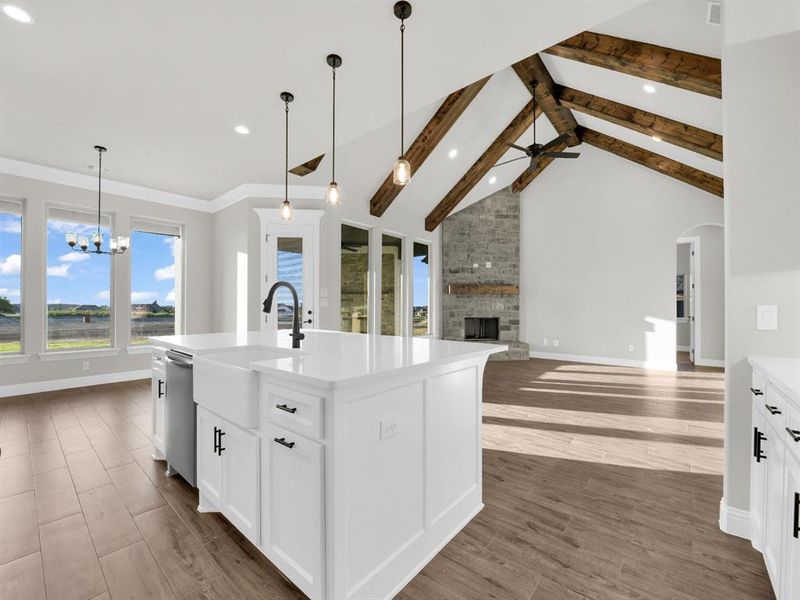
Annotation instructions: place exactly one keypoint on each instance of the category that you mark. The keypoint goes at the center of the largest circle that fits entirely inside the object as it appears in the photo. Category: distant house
(147, 309)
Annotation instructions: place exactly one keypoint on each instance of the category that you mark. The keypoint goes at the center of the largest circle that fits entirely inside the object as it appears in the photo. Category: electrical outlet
(488, 264)
(546, 342)
(630, 347)
(390, 427)
(555, 342)
(474, 265)
(86, 365)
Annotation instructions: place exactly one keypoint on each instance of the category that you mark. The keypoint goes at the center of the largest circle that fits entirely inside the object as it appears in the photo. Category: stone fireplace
(480, 274)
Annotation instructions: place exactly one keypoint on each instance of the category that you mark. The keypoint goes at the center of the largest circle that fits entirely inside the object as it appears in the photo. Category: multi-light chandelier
(116, 245)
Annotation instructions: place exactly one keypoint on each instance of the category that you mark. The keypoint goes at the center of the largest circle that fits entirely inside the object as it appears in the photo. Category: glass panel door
(289, 268)
(354, 261)
(421, 289)
(391, 285)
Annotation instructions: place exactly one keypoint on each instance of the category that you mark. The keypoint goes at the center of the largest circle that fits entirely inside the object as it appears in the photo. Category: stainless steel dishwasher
(181, 417)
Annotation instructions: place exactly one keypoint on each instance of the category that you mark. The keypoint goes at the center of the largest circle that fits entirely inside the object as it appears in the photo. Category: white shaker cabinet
(775, 472)
(228, 472)
(159, 397)
(293, 507)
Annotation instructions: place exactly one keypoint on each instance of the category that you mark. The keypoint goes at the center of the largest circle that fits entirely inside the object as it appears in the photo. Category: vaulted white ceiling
(162, 84)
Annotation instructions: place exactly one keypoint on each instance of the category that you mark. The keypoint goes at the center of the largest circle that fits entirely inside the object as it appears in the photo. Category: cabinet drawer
(775, 405)
(298, 412)
(792, 428)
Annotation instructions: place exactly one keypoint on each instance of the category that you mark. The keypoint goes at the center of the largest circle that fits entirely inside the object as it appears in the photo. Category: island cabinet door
(292, 508)
(159, 394)
(240, 480)
(791, 529)
(758, 477)
(209, 460)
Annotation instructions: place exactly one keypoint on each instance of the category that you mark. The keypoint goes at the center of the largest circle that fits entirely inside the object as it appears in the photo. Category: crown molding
(10, 166)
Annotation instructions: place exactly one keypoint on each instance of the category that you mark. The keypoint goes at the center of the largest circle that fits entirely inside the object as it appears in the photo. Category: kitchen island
(349, 462)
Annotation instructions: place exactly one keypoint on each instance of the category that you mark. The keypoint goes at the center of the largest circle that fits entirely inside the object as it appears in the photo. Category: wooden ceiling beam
(430, 136)
(693, 72)
(667, 166)
(307, 167)
(692, 138)
(487, 160)
(533, 69)
(528, 175)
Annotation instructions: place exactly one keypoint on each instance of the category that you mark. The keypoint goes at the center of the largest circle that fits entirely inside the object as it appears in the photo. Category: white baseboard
(709, 362)
(50, 385)
(734, 521)
(606, 360)
(683, 348)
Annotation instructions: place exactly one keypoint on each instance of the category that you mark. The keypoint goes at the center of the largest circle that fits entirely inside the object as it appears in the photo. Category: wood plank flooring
(600, 483)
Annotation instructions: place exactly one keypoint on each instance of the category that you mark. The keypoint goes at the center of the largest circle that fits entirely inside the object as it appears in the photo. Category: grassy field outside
(78, 344)
(10, 347)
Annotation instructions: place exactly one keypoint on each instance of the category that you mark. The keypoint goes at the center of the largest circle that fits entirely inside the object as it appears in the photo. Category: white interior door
(690, 295)
(290, 253)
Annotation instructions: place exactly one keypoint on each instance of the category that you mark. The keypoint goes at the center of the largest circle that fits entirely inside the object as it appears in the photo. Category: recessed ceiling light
(492, 179)
(241, 129)
(453, 153)
(16, 13)
(650, 89)
(655, 138)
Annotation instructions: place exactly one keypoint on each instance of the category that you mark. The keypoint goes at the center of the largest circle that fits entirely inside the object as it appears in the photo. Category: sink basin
(225, 385)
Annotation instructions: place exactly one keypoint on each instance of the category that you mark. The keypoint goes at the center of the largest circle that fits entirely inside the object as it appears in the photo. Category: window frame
(105, 217)
(140, 224)
(19, 205)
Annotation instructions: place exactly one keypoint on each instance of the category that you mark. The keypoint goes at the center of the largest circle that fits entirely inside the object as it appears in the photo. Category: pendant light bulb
(401, 174)
(286, 210)
(332, 196)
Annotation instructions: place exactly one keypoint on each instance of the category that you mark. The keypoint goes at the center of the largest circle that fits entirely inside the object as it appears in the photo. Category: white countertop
(784, 373)
(333, 358)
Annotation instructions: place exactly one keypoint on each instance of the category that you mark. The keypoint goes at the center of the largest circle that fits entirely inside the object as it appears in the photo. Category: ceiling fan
(536, 151)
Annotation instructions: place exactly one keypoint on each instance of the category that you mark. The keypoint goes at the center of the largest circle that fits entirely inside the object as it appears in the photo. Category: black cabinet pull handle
(160, 385)
(796, 532)
(221, 448)
(794, 434)
(761, 455)
(773, 410)
(285, 408)
(758, 437)
(216, 440)
(283, 442)
(755, 442)
(756, 392)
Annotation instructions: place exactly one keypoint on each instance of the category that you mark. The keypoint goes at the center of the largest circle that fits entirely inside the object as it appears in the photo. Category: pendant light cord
(286, 171)
(402, 84)
(333, 129)
(99, 185)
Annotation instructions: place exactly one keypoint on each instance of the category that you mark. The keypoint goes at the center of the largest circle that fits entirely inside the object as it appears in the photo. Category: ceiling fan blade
(561, 154)
(505, 162)
(555, 142)
(521, 148)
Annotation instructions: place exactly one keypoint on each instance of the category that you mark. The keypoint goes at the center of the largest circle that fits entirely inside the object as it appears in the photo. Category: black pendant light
(401, 174)
(116, 245)
(332, 195)
(286, 207)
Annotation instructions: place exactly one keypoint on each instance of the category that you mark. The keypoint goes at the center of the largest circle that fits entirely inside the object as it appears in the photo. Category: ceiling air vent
(714, 14)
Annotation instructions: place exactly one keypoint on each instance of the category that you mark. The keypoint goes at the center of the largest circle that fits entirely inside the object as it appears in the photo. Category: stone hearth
(485, 232)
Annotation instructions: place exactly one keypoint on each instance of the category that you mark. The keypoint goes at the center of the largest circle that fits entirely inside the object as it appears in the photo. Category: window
(290, 268)
(355, 279)
(391, 285)
(78, 284)
(10, 276)
(421, 289)
(155, 280)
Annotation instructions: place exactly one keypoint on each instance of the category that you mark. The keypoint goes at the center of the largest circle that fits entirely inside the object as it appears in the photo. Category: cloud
(104, 295)
(10, 293)
(55, 301)
(14, 226)
(170, 296)
(143, 297)
(61, 270)
(163, 273)
(10, 265)
(74, 257)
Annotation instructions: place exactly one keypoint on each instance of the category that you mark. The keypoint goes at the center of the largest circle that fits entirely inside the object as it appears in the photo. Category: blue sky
(421, 282)
(10, 253)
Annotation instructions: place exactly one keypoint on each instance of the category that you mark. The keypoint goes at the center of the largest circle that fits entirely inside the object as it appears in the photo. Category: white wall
(36, 196)
(762, 207)
(598, 257)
